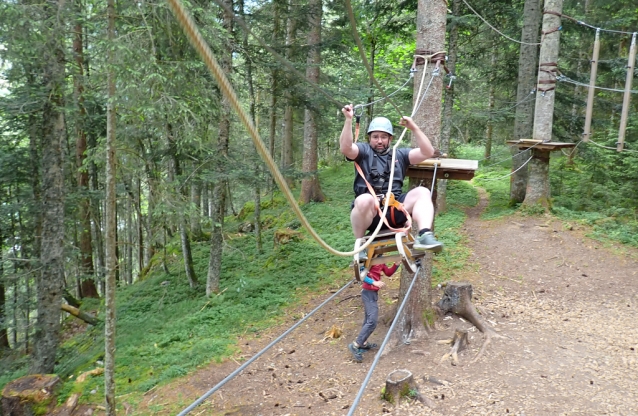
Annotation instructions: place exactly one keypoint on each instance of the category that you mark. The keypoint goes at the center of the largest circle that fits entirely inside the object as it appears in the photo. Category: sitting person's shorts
(395, 217)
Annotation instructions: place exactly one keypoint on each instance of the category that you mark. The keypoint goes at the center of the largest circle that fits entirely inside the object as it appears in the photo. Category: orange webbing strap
(397, 205)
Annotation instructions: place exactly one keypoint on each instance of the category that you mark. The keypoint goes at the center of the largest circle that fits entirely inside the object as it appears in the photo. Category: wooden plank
(551, 146)
(440, 174)
(458, 164)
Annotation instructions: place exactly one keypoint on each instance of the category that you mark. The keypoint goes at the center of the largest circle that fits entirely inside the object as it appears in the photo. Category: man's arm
(346, 145)
(425, 149)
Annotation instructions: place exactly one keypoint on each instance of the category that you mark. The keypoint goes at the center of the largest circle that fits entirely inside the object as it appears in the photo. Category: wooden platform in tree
(460, 169)
(538, 144)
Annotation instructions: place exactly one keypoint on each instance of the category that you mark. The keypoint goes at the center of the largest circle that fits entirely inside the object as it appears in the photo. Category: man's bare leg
(418, 202)
(361, 216)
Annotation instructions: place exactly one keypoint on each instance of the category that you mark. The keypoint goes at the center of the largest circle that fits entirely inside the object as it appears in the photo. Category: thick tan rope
(196, 39)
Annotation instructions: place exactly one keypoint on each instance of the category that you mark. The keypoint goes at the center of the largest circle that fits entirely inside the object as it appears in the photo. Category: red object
(375, 274)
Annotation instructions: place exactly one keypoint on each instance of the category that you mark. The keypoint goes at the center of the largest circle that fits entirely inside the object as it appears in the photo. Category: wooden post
(538, 181)
(627, 97)
(544, 114)
(592, 88)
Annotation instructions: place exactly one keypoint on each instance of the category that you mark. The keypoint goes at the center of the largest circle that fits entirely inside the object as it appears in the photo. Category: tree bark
(86, 317)
(310, 187)
(538, 183)
(219, 193)
(129, 242)
(87, 272)
(4, 335)
(253, 116)
(287, 160)
(538, 192)
(174, 171)
(196, 212)
(111, 221)
(30, 395)
(490, 106)
(50, 280)
(430, 38)
(524, 120)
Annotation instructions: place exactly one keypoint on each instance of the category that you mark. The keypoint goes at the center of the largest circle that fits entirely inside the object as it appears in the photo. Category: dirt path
(566, 304)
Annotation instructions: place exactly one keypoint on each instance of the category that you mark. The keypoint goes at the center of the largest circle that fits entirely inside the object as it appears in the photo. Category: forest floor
(565, 304)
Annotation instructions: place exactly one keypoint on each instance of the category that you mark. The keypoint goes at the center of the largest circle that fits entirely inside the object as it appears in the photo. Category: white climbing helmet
(380, 124)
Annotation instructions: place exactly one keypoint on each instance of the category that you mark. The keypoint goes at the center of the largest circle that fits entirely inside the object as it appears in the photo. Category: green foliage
(165, 329)
(460, 195)
(429, 317)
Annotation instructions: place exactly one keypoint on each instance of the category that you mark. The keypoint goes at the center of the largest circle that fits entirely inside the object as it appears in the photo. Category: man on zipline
(375, 159)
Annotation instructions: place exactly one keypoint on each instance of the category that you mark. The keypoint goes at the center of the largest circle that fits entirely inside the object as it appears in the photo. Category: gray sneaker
(356, 353)
(427, 242)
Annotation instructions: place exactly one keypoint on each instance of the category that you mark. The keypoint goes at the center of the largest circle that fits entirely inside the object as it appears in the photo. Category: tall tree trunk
(253, 116)
(310, 187)
(537, 192)
(96, 215)
(111, 221)
(430, 24)
(87, 272)
(219, 193)
(50, 280)
(129, 242)
(287, 160)
(524, 120)
(490, 105)
(173, 174)
(196, 212)
(4, 335)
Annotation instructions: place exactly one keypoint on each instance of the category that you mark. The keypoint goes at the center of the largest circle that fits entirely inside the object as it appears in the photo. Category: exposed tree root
(459, 343)
(457, 298)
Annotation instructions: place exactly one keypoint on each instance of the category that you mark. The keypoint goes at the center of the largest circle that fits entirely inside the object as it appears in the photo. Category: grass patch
(460, 195)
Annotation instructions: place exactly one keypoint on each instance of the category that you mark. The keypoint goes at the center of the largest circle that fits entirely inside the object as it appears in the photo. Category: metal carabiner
(358, 106)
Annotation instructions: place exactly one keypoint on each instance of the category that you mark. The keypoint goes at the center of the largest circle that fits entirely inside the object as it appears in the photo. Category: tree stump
(30, 395)
(400, 384)
(457, 298)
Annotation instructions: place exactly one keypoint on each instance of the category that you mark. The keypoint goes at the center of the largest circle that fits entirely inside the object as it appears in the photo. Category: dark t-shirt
(368, 158)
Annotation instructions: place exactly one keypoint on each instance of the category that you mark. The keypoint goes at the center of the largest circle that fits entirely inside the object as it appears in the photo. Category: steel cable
(377, 357)
(259, 354)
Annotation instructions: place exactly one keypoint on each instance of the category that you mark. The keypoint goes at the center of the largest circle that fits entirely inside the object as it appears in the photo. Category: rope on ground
(259, 354)
(496, 30)
(377, 357)
(196, 39)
